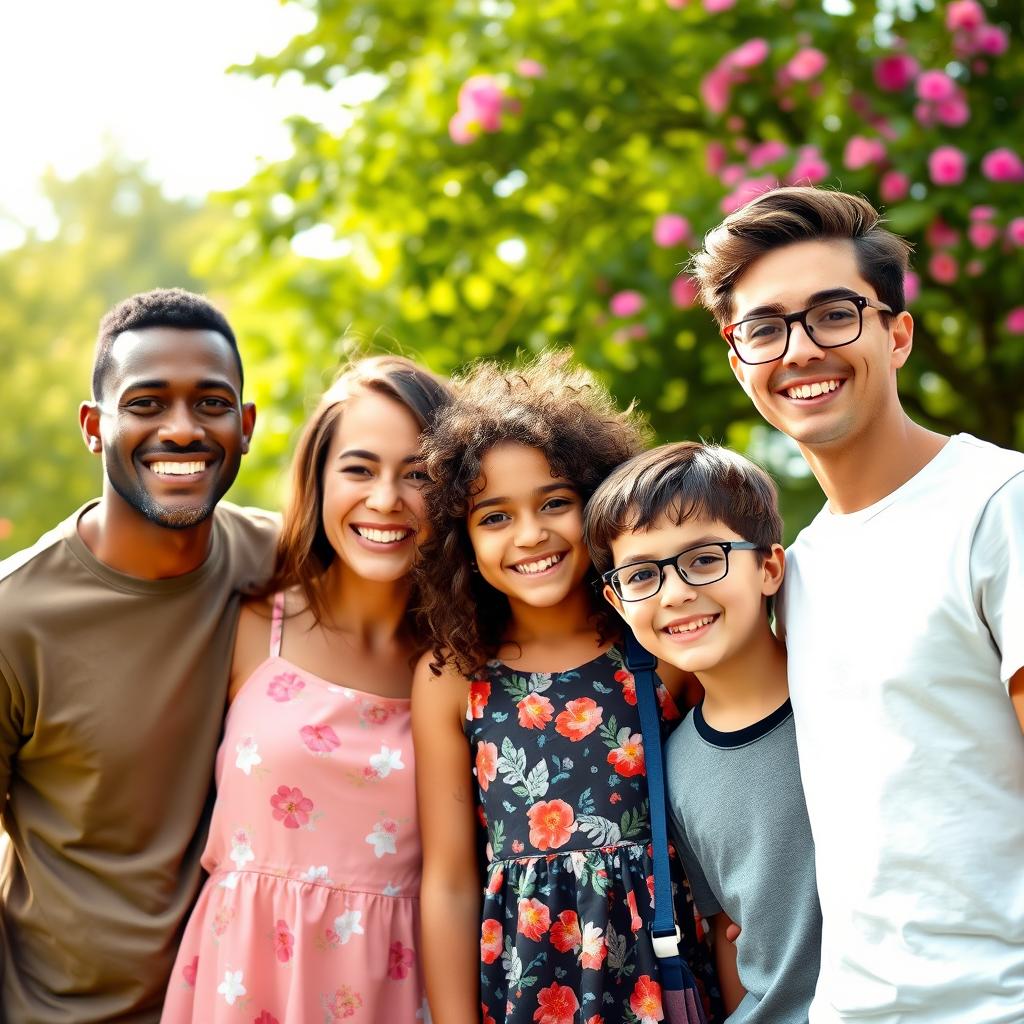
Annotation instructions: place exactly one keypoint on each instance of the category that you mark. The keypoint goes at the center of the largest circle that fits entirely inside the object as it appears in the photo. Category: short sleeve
(703, 897)
(11, 716)
(997, 573)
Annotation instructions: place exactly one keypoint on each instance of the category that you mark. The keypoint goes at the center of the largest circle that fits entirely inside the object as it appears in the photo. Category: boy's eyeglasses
(698, 566)
(763, 339)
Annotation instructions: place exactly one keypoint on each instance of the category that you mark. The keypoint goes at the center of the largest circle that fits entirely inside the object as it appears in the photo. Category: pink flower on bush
(1015, 320)
(733, 175)
(974, 268)
(810, 167)
(715, 156)
(953, 112)
(1002, 165)
(947, 165)
(982, 234)
(717, 6)
(291, 807)
(911, 287)
(765, 153)
(806, 64)
(670, 229)
(966, 15)
(894, 186)
(943, 268)
(627, 303)
(683, 291)
(895, 73)
(482, 99)
(748, 54)
(940, 235)
(1015, 231)
(747, 190)
(982, 212)
(935, 86)
(715, 89)
(861, 152)
(992, 40)
(529, 68)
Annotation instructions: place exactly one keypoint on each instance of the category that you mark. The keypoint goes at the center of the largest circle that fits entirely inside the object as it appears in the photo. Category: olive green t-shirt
(112, 695)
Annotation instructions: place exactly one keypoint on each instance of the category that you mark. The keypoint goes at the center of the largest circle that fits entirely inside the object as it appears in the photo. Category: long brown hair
(304, 554)
(561, 410)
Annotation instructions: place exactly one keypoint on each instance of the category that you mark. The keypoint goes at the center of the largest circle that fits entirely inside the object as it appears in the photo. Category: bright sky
(147, 78)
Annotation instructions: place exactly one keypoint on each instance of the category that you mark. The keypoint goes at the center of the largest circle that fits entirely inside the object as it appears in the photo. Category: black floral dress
(559, 762)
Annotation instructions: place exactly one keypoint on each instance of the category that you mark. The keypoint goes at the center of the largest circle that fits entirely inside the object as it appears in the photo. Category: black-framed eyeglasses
(832, 324)
(698, 566)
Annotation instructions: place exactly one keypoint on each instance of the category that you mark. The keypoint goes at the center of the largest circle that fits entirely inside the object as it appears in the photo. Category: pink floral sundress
(311, 910)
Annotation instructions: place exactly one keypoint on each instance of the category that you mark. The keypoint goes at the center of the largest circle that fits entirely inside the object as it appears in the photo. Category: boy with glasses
(686, 537)
(902, 612)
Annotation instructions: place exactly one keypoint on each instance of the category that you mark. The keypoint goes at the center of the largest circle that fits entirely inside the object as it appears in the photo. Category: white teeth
(382, 536)
(812, 390)
(529, 568)
(689, 627)
(177, 468)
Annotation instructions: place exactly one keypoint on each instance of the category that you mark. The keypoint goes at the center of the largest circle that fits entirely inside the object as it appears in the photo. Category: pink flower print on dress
(371, 713)
(291, 808)
(321, 739)
(383, 837)
(284, 942)
(266, 1018)
(625, 679)
(635, 921)
(189, 972)
(400, 961)
(284, 687)
(340, 1004)
(595, 949)
(221, 920)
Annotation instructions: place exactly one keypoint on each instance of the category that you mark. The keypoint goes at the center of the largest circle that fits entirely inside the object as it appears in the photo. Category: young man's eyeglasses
(763, 339)
(698, 566)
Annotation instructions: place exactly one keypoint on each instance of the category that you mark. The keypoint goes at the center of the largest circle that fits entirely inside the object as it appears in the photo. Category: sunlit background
(461, 179)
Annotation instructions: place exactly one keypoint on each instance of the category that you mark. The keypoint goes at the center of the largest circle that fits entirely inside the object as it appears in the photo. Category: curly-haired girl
(526, 691)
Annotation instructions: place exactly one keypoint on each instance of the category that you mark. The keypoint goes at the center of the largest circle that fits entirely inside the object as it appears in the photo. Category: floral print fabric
(559, 762)
(311, 910)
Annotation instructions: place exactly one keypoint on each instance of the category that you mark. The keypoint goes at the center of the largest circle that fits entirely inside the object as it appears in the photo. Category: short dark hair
(162, 307)
(799, 214)
(685, 480)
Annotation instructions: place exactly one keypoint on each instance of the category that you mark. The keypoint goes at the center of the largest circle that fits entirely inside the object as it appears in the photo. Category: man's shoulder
(250, 538)
(248, 519)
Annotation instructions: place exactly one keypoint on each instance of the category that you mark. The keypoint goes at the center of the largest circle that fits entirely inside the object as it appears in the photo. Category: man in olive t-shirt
(115, 647)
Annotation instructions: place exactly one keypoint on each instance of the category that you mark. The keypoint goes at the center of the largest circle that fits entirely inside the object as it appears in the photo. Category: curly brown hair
(548, 404)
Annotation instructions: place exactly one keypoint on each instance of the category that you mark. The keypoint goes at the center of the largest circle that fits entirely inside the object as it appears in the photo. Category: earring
(473, 567)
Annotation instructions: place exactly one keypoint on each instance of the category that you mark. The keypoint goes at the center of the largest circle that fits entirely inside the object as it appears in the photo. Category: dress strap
(277, 624)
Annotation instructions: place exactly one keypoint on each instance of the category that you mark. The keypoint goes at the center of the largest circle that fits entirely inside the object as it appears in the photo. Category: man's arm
(12, 713)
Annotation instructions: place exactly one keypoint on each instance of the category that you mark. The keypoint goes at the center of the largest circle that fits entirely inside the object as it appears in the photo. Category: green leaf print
(634, 822)
(518, 687)
(512, 963)
(512, 765)
(497, 837)
(610, 733)
(585, 804)
(601, 831)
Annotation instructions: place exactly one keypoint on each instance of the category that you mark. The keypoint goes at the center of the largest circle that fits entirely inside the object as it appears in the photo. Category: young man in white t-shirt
(903, 612)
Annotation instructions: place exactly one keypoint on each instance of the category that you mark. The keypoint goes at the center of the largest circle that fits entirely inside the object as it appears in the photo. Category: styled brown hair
(304, 553)
(547, 404)
(685, 480)
(799, 214)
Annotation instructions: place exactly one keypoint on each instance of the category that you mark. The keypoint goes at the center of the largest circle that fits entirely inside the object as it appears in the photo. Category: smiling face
(526, 528)
(704, 628)
(171, 424)
(373, 480)
(820, 397)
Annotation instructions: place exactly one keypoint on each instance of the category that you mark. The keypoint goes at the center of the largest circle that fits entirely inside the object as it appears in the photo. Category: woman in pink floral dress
(311, 910)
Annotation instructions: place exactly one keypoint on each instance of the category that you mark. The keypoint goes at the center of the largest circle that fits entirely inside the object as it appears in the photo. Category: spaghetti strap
(277, 624)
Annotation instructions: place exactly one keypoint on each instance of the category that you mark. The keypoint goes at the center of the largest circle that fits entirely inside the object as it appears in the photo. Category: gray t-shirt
(738, 812)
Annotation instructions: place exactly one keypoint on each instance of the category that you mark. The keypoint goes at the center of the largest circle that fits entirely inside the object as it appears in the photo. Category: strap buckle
(666, 946)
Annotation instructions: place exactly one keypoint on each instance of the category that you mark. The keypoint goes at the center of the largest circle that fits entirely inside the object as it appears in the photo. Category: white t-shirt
(904, 623)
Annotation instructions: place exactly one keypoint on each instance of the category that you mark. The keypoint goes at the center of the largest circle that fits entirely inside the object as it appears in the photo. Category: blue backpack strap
(642, 664)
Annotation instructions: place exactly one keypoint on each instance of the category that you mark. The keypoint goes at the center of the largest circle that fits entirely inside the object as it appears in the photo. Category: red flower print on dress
(400, 961)
(551, 824)
(628, 757)
(284, 687)
(266, 1018)
(284, 942)
(189, 971)
(556, 1004)
(497, 879)
(650, 889)
(635, 921)
(486, 764)
(535, 711)
(595, 949)
(579, 719)
(534, 919)
(291, 808)
(628, 683)
(479, 695)
(491, 935)
(669, 710)
(485, 1015)
(645, 1001)
(565, 932)
(596, 1019)
(321, 739)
